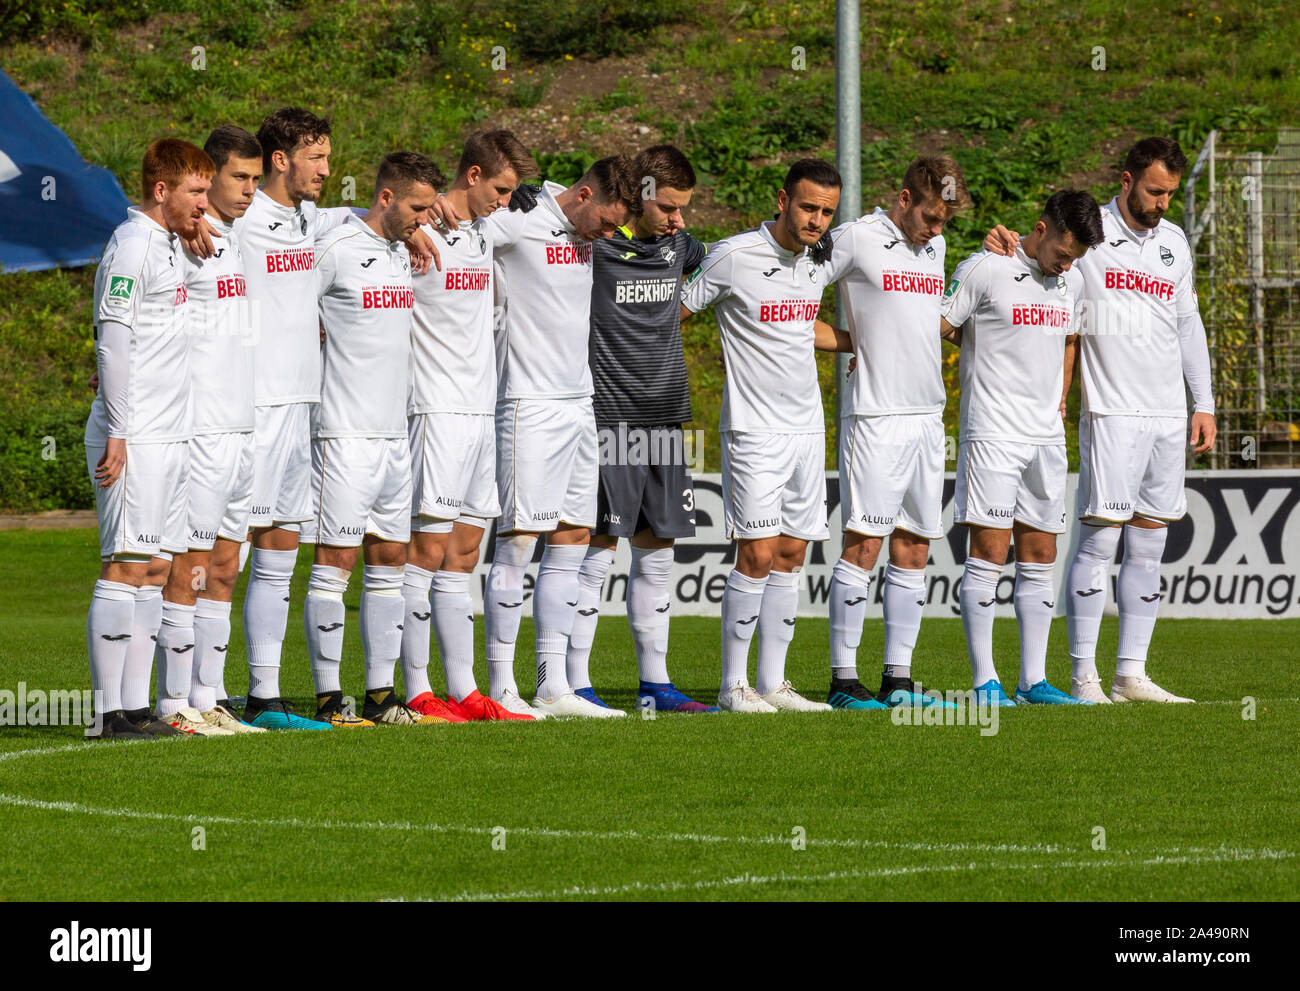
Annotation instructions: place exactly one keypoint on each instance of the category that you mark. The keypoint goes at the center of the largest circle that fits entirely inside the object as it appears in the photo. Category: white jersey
(365, 306)
(278, 244)
(767, 301)
(890, 290)
(1138, 286)
(453, 362)
(140, 282)
(1015, 321)
(221, 336)
(542, 351)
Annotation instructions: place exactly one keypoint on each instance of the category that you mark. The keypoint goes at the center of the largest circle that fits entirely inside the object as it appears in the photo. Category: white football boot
(572, 704)
(1140, 689)
(222, 718)
(787, 698)
(511, 701)
(1088, 690)
(741, 697)
(191, 720)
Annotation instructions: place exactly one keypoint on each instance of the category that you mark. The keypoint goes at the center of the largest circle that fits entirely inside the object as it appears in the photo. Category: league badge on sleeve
(120, 290)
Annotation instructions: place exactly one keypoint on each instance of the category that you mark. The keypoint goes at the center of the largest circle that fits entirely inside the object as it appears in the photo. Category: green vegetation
(1197, 802)
(1015, 91)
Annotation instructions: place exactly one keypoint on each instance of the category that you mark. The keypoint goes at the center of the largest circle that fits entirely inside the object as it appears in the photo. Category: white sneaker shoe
(740, 697)
(1140, 689)
(572, 704)
(787, 698)
(1088, 690)
(191, 720)
(511, 701)
(222, 718)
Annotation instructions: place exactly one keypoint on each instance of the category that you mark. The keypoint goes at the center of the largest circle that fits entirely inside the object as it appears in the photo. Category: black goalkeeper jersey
(635, 351)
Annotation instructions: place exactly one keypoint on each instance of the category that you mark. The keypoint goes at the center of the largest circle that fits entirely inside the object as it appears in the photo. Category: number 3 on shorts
(688, 503)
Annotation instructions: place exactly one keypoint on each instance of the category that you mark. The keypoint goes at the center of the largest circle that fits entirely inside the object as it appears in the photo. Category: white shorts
(547, 464)
(453, 470)
(143, 512)
(774, 484)
(1000, 483)
(891, 474)
(365, 488)
(221, 488)
(1132, 466)
(281, 465)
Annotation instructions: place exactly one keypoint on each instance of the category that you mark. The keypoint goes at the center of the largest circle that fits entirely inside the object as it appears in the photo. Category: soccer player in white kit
(768, 289)
(277, 237)
(452, 432)
(138, 432)
(1015, 321)
(547, 458)
(195, 631)
(890, 265)
(364, 500)
(1141, 336)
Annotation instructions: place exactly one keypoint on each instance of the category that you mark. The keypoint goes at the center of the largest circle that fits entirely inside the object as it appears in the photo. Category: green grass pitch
(1195, 802)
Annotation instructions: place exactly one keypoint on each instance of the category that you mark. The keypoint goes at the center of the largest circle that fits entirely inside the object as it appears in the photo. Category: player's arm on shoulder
(962, 297)
(950, 333)
(710, 282)
(1001, 241)
(423, 252)
(200, 245)
(507, 227)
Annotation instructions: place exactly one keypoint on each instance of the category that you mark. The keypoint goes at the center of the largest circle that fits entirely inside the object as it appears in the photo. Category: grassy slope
(1191, 798)
(1008, 87)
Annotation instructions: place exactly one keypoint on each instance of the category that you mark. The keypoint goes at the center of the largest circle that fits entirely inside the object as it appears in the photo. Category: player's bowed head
(405, 188)
(605, 198)
(933, 190)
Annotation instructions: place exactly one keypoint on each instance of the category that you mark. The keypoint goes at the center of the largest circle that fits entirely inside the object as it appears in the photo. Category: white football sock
(418, 610)
(591, 579)
(742, 598)
(648, 604)
(503, 602)
(555, 601)
(1035, 600)
(1086, 588)
(323, 617)
(1139, 596)
(904, 596)
(453, 622)
(978, 597)
(266, 615)
(381, 623)
(139, 650)
(850, 592)
(776, 616)
(108, 633)
(174, 657)
(211, 641)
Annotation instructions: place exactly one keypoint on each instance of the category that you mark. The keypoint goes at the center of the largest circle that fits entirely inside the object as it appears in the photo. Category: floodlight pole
(848, 150)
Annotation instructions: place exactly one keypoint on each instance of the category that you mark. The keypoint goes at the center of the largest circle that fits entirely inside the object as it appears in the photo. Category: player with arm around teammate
(768, 288)
(1015, 318)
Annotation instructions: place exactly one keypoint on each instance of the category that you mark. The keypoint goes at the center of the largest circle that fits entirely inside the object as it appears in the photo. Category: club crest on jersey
(1060, 284)
(302, 223)
(929, 251)
(668, 254)
(1166, 255)
(812, 273)
(482, 243)
(120, 289)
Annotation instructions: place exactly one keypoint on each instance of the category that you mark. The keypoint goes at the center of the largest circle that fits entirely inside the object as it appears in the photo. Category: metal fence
(1243, 221)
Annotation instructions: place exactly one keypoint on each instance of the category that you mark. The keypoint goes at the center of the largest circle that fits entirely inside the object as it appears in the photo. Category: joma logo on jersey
(232, 285)
(388, 298)
(914, 282)
(1039, 315)
(1119, 278)
(793, 309)
(295, 260)
(568, 254)
(468, 279)
(645, 292)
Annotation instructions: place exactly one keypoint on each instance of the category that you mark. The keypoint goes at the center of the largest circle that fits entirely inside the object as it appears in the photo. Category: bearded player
(768, 286)
(137, 436)
(1140, 339)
